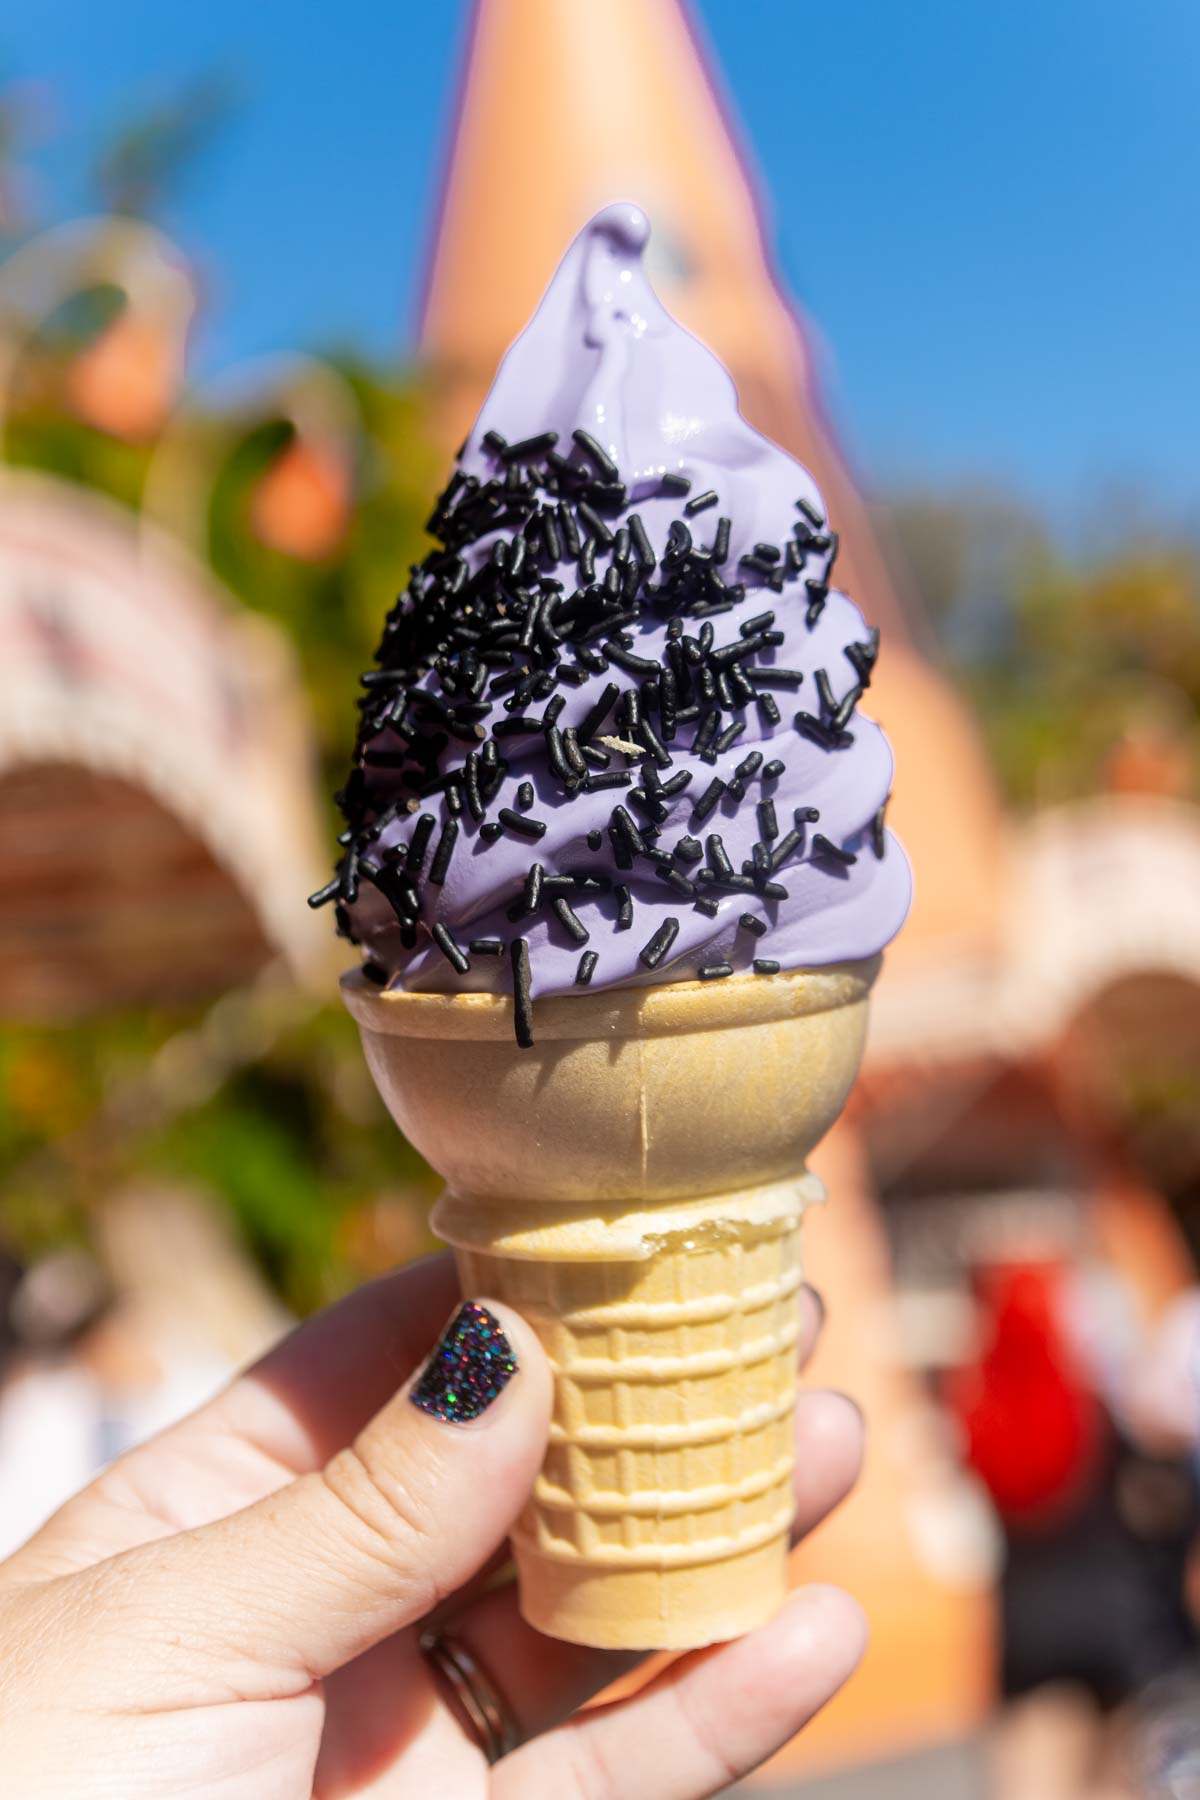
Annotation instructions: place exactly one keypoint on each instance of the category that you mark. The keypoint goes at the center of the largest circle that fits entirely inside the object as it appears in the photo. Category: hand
(231, 1611)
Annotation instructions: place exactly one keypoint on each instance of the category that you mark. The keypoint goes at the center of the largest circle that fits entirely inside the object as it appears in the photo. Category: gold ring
(487, 1714)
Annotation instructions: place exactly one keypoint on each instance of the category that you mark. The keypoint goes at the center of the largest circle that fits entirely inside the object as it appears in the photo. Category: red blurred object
(1150, 759)
(127, 380)
(1033, 1423)
(302, 504)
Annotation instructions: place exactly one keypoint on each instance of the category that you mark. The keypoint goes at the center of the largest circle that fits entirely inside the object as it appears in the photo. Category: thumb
(320, 1571)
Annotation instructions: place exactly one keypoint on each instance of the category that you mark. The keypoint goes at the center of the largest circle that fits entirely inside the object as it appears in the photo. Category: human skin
(232, 1611)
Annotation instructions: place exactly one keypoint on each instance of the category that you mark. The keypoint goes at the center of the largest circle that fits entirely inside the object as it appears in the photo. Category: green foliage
(1066, 658)
(333, 610)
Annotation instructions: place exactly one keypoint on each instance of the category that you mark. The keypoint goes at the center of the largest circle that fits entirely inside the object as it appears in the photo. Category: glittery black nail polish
(471, 1364)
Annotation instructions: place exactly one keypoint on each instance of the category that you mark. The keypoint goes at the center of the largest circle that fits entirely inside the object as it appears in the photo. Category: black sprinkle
(568, 529)
(524, 827)
(673, 483)
(718, 860)
(878, 837)
(569, 919)
(625, 659)
(522, 1001)
(624, 906)
(418, 843)
(699, 502)
(823, 846)
(531, 897)
(587, 964)
(710, 908)
(375, 973)
(525, 796)
(815, 518)
(595, 524)
(768, 827)
(708, 800)
(613, 778)
(329, 892)
(760, 622)
(749, 922)
(652, 952)
(529, 447)
(774, 769)
(679, 542)
(491, 831)
(444, 851)
(783, 849)
(715, 971)
(595, 840)
(450, 949)
(821, 733)
(598, 454)
(641, 543)
(678, 883)
(845, 707)
(596, 715)
(487, 946)
(623, 823)
(763, 965)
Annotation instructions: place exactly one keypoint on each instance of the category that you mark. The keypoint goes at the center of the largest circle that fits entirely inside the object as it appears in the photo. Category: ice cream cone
(634, 1185)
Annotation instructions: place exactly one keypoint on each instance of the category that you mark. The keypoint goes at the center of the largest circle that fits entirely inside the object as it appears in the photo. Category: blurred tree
(1085, 669)
(152, 151)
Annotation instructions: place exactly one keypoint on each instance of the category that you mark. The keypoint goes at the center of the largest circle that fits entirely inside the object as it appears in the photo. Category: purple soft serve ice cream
(613, 736)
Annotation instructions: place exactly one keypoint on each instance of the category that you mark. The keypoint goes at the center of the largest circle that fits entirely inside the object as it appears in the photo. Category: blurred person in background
(55, 1427)
(1100, 1511)
(99, 1352)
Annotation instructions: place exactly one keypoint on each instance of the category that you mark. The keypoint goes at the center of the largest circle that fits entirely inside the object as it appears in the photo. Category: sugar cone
(634, 1186)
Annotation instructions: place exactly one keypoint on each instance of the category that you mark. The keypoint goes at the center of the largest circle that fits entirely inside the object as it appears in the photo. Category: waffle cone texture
(634, 1185)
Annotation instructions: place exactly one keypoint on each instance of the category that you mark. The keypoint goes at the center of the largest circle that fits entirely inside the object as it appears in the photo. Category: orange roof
(563, 108)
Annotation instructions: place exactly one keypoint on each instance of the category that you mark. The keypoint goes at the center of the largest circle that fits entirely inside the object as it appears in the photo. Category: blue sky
(1007, 278)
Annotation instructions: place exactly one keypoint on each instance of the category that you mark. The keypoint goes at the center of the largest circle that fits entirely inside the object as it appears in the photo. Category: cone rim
(665, 1010)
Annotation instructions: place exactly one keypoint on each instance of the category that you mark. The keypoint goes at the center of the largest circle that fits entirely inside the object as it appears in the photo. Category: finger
(544, 1681)
(287, 1415)
(293, 1587)
(830, 1437)
(706, 1721)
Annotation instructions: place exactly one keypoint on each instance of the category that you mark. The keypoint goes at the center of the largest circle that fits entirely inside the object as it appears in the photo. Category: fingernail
(818, 1300)
(471, 1364)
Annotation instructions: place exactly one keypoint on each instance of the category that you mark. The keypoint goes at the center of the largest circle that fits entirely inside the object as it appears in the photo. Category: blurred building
(157, 803)
(980, 1136)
